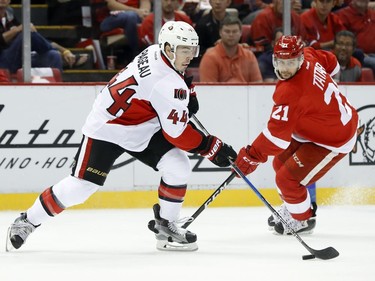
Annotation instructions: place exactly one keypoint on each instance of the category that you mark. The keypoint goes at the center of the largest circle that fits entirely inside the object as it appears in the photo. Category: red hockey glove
(218, 152)
(245, 162)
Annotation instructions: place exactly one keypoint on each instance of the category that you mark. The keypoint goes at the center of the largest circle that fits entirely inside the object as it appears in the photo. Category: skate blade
(8, 244)
(302, 233)
(165, 245)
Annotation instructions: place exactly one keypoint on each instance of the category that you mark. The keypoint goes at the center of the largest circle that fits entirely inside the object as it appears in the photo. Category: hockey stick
(324, 254)
(200, 124)
(210, 199)
(216, 192)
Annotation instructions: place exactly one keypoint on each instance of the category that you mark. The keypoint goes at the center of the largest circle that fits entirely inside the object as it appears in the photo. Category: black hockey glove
(218, 152)
(193, 105)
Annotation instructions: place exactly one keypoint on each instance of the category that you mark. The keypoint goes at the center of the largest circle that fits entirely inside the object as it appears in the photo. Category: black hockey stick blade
(324, 254)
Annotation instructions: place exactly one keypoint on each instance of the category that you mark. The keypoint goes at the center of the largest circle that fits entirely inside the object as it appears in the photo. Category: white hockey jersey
(141, 99)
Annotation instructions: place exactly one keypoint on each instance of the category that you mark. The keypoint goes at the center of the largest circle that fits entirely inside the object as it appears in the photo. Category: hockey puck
(308, 257)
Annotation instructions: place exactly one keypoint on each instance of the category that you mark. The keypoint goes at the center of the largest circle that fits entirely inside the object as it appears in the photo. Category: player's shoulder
(167, 82)
(316, 52)
(166, 78)
(309, 52)
(326, 59)
(288, 91)
(321, 56)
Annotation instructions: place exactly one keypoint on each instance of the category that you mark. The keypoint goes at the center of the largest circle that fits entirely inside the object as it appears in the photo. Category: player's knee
(285, 180)
(175, 167)
(72, 191)
(276, 164)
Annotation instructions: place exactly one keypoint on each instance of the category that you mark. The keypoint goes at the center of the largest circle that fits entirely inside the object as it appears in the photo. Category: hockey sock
(171, 198)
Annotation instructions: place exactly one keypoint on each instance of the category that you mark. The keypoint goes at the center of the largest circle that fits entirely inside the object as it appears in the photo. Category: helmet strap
(172, 61)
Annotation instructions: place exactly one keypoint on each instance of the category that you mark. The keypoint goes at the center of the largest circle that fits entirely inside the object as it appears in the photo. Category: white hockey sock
(170, 210)
(36, 213)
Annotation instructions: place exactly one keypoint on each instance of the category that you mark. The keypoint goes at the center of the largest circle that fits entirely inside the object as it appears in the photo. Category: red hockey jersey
(309, 108)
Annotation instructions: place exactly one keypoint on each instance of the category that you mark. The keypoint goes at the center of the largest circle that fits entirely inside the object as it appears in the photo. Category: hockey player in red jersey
(144, 111)
(312, 126)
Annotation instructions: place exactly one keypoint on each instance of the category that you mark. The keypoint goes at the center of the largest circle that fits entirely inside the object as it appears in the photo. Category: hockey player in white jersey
(143, 111)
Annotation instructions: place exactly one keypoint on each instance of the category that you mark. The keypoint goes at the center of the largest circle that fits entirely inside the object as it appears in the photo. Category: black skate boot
(18, 232)
(170, 236)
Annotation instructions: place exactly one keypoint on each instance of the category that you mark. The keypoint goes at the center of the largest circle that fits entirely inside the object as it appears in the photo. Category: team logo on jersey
(180, 94)
(298, 161)
(363, 152)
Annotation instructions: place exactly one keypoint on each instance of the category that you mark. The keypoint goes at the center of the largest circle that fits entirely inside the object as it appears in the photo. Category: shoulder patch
(180, 94)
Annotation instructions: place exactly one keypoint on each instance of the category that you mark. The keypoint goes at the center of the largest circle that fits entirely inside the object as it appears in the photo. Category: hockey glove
(245, 162)
(193, 105)
(218, 152)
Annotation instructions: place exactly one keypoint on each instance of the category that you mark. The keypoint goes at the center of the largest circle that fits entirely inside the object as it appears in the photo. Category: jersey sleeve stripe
(336, 70)
(276, 141)
(189, 140)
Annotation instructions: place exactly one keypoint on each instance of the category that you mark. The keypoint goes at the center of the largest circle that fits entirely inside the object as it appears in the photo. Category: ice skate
(170, 236)
(18, 232)
(272, 220)
(301, 227)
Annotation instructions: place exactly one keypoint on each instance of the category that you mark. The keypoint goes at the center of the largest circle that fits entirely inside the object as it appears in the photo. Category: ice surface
(234, 245)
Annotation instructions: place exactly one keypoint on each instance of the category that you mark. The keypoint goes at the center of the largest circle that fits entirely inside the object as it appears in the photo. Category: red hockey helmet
(288, 47)
(287, 56)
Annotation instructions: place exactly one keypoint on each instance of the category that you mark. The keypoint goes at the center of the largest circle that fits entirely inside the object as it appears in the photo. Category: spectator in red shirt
(126, 14)
(350, 67)
(271, 17)
(321, 24)
(256, 7)
(229, 61)
(169, 13)
(360, 20)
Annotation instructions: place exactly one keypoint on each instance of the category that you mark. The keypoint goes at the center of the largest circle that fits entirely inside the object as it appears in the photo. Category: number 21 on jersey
(281, 112)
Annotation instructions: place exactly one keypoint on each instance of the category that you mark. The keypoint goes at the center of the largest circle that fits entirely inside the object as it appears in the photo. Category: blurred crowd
(236, 36)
